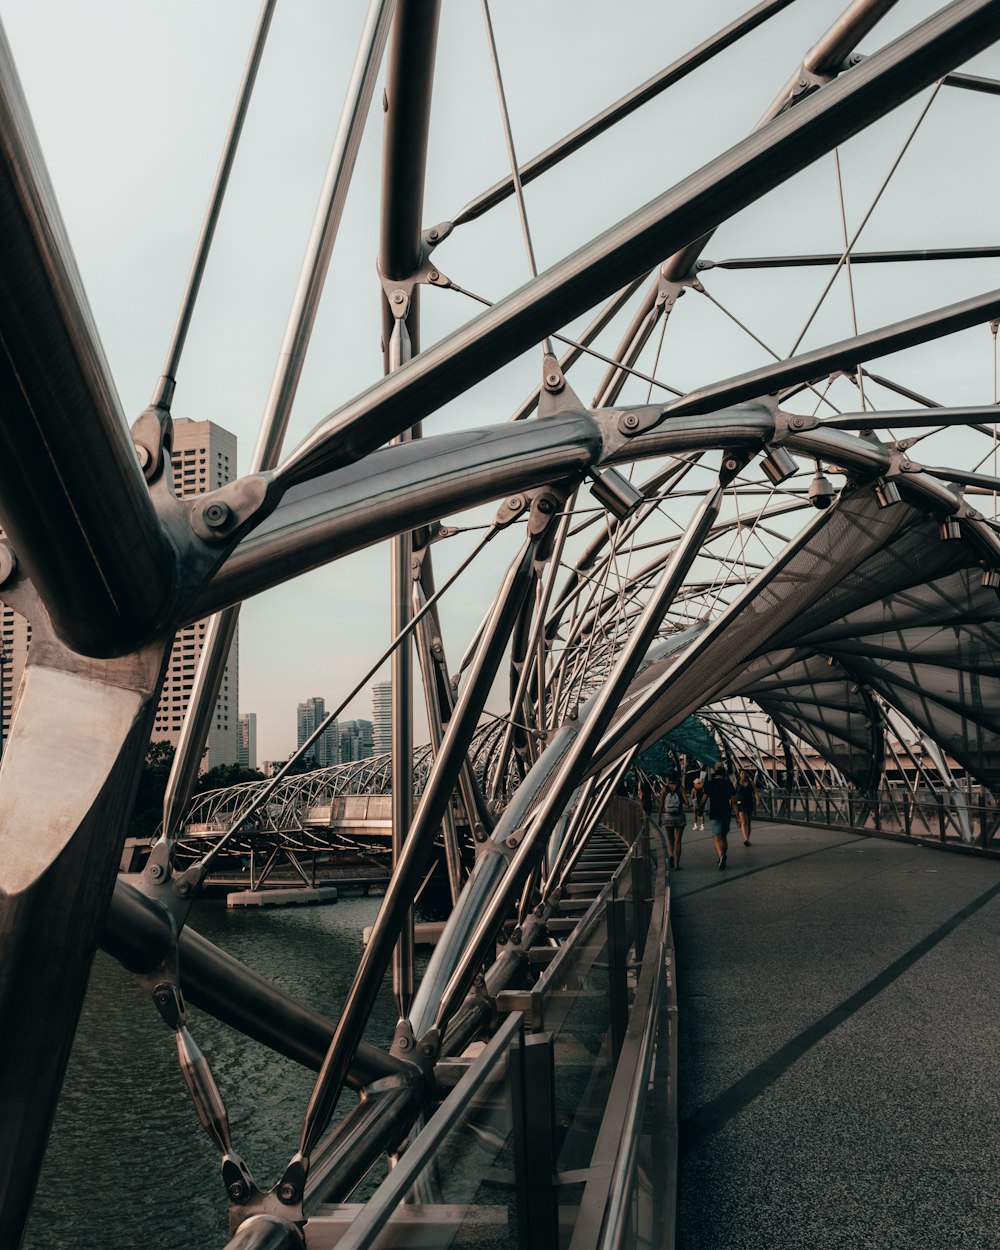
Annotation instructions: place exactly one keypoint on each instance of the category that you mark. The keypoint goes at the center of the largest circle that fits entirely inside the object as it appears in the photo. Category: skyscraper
(203, 459)
(382, 717)
(246, 740)
(326, 750)
(355, 740)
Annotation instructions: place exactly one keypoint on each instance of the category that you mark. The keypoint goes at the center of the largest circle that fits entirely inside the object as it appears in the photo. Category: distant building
(15, 635)
(326, 750)
(382, 717)
(246, 740)
(203, 459)
(356, 741)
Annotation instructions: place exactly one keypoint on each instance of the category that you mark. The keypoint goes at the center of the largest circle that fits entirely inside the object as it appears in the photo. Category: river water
(129, 1166)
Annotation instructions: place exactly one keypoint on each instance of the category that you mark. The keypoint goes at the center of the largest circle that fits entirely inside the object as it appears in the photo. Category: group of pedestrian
(719, 796)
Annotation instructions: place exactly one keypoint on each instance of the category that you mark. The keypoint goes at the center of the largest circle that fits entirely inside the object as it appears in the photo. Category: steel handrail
(378, 1210)
(602, 1218)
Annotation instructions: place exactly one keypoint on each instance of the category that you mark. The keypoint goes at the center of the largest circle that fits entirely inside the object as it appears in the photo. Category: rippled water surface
(128, 1166)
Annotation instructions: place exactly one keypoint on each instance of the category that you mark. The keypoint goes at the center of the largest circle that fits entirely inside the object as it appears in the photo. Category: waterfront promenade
(839, 1034)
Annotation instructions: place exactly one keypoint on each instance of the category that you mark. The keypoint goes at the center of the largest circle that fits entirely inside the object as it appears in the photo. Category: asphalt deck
(839, 1044)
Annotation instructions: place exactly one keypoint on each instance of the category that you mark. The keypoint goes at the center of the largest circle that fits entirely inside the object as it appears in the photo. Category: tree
(224, 775)
(148, 810)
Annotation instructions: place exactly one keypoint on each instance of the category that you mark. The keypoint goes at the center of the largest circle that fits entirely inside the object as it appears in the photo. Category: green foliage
(148, 809)
(224, 775)
(690, 738)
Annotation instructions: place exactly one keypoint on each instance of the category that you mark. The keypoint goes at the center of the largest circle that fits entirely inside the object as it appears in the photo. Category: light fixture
(616, 493)
(821, 491)
(778, 465)
(949, 529)
(886, 492)
(991, 578)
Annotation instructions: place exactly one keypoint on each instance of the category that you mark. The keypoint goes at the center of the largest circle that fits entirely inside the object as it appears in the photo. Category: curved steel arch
(106, 563)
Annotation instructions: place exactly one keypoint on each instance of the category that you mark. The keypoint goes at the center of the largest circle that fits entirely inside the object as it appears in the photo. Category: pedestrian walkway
(839, 1044)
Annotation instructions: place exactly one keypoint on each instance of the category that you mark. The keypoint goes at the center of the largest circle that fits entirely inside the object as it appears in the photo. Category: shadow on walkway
(838, 1033)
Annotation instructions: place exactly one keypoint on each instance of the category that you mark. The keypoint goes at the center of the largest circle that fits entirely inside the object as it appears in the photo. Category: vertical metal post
(640, 891)
(401, 558)
(532, 1094)
(615, 913)
(942, 823)
(907, 813)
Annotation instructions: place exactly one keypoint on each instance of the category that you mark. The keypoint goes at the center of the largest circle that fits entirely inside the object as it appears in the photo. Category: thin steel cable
(203, 864)
(511, 155)
(865, 219)
(703, 290)
(568, 342)
(847, 264)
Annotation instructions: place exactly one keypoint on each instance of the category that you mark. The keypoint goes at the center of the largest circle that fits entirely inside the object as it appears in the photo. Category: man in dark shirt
(720, 798)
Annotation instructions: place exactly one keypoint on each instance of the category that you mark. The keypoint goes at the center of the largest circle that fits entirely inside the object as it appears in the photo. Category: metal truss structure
(711, 567)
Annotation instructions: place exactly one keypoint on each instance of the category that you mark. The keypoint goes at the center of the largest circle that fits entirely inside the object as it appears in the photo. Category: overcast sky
(132, 99)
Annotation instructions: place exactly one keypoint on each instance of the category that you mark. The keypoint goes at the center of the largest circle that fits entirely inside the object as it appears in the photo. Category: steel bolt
(433, 235)
(183, 888)
(545, 505)
(511, 842)
(630, 421)
(552, 380)
(515, 502)
(215, 515)
(398, 297)
(286, 1192)
(156, 872)
(731, 464)
(161, 998)
(403, 1043)
(797, 423)
(237, 1191)
(427, 1049)
(434, 275)
(142, 455)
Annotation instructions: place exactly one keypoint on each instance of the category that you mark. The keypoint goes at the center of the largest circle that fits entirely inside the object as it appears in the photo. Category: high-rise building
(15, 634)
(382, 717)
(355, 740)
(326, 749)
(203, 459)
(246, 740)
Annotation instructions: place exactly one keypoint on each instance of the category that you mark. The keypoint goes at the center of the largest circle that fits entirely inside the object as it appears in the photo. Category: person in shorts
(673, 801)
(720, 797)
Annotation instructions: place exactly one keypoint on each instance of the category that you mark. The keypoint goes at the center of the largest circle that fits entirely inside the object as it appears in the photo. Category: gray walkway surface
(839, 1044)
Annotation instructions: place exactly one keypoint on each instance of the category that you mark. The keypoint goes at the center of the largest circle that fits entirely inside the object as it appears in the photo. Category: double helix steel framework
(711, 567)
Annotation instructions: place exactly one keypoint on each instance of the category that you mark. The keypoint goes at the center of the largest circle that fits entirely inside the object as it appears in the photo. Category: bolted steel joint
(216, 514)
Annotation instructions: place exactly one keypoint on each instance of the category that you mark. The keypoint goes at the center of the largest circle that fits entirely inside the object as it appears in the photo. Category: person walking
(673, 800)
(746, 803)
(698, 803)
(721, 798)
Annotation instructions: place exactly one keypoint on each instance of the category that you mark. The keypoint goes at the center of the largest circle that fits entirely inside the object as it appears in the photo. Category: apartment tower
(204, 458)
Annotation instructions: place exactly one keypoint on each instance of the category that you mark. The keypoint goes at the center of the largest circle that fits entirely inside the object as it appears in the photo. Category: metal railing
(946, 817)
(496, 1160)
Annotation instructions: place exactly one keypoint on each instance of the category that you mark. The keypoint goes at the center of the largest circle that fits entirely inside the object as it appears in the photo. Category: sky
(132, 99)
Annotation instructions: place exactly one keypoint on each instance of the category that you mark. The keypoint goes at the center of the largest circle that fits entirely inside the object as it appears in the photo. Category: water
(128, 1164)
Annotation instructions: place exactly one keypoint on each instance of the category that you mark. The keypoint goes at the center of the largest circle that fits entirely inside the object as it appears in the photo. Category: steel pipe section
(139, 933)
(398, 488)
(712, 195)
(72, 498)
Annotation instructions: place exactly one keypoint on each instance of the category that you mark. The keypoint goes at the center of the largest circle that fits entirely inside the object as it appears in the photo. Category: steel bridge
(769, 551)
